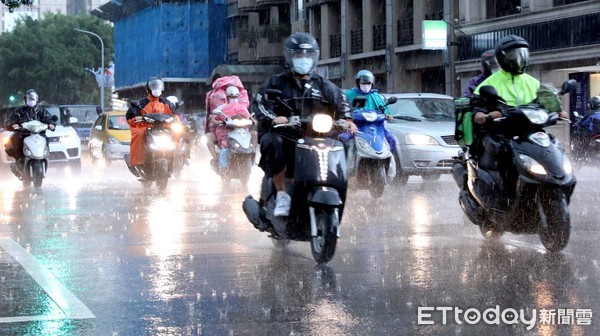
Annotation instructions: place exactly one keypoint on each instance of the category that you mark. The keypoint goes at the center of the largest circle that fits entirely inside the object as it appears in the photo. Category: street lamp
(101, 69)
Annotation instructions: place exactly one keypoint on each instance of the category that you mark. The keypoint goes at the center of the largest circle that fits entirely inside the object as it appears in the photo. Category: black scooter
(318, 190)
(526, 185)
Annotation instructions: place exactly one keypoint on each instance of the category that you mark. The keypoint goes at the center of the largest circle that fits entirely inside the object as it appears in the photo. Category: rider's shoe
(283, 203)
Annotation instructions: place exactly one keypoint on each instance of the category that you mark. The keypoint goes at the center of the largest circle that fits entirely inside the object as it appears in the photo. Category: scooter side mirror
(489, 94)
(568, 86)
(392, 100)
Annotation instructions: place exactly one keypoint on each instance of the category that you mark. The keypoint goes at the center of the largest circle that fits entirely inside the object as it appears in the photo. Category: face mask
(302, 66)
(233, 100)
(31, 103)
(365, 88)
(156, 93)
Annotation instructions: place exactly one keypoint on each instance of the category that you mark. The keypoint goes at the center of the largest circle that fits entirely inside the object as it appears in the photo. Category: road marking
(67, 302)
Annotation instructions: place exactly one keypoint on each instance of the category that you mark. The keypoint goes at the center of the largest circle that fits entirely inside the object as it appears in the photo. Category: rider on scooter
(152, 103)
(592, 118)
(365, 81)
(277, 145)
(512, 84)
(31, 111)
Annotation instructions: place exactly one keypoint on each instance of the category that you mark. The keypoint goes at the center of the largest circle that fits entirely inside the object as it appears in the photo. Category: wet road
(93, 253)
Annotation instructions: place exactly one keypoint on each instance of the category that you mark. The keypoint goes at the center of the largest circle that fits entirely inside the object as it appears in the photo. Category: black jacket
(26, 113)
(303, 97)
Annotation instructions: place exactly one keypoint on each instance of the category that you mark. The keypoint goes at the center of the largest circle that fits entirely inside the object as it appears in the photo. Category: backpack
(463, 127)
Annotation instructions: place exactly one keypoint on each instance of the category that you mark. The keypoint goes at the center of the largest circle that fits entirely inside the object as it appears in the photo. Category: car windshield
(117, 123)
(86, 115)
(423, 109)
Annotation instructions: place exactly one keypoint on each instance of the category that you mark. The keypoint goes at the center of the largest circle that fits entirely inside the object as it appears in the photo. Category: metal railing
(405, 32)
(356, 41)
(379, 37)
(335, 47)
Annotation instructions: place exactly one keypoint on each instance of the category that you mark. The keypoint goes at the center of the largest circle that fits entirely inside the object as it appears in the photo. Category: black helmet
(31, 95)
(594, 103)
(512, 54)
(301, 52)
(488, 62)
(364, 77)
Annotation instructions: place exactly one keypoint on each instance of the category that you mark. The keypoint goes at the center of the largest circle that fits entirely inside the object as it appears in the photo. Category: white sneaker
(282, 204)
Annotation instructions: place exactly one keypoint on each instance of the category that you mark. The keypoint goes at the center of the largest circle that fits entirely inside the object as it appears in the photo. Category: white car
(64, 143)
(424, 126)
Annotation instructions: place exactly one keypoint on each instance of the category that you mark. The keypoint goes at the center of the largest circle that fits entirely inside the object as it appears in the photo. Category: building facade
(385, 36)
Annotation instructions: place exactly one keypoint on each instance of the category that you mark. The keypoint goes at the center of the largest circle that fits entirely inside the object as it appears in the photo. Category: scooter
(532, 192)
(585, 138)
(161, 149)
(369, 154)
(318, 190)
(34, 164)
(237, 155)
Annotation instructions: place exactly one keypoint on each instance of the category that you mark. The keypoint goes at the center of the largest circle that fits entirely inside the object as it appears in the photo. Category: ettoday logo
(492, 315)
(495, 315)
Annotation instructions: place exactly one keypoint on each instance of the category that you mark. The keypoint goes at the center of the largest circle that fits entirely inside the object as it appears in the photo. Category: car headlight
(538, 117)
(532, 165)
(113, 140)
(419, 139)
(322, 123)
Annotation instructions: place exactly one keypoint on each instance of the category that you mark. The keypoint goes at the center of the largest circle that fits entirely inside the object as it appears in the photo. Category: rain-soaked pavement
(93, 253)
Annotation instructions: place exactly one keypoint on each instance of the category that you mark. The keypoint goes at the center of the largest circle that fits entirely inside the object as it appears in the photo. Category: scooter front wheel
(323, 244)
(557, 229)
(489, 233)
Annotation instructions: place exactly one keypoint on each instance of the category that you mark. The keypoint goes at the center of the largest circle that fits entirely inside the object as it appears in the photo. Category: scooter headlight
(369, 116)
(538, 117)
(532, 165)
(162, 142)
(322, 123)
(177, 128)
(567, 166)
(149, 120)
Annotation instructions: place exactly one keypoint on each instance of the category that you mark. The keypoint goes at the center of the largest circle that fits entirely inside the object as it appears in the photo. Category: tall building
(39, 7)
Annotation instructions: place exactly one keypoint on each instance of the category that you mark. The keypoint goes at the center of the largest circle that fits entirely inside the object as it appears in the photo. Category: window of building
(499, 8)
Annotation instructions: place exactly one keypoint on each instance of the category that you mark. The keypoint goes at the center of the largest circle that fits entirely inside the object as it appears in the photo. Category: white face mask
(365, 88)
(31, 103)
(302, 66)
(233, 100)
(156, 93)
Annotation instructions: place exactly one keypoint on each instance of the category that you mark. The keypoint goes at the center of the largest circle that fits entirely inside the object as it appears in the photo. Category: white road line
(70, 305)
(15, 319)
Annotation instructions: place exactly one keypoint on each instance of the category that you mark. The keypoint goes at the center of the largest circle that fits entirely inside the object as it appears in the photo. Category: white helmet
(232, 92)
(173, 99)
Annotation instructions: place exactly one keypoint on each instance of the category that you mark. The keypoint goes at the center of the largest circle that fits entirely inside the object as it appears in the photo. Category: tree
(49, 56)
(12, 4)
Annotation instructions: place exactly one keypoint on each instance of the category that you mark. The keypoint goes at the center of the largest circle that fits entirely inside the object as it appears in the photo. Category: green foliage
(13, 4)
(48, 55)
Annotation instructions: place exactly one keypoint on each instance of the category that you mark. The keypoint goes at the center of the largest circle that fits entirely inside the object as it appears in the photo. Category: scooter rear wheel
(323, 244)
